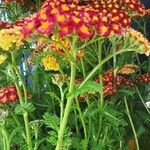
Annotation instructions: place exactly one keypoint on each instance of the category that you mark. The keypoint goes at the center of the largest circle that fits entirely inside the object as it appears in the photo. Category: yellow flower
(50, 63)
(9, 39)
(128, 69)
(2, 58)
(143, 45)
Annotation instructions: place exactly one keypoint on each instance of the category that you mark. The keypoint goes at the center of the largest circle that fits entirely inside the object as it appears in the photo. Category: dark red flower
(8, 94)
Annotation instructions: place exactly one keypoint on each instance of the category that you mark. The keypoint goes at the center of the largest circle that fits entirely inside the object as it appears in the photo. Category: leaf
(27, 107)
(88, 87)
(14, 133)
(52, 121)
(53, 137)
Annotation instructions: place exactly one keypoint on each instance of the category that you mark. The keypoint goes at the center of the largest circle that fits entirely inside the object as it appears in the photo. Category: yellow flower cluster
(128, 69)
(2, 58)
(142, 43)
(50, 63)
(10, 39)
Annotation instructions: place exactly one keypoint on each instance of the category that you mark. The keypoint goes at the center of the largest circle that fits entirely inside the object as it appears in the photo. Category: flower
(10, 39)
(8, 94)
(143, 78)
(3, 114)
(113, 83)
(70, 16)
(50, 63)
(84, 32)
(128, 69)
(142, 44)
(46, 27)
(59, 79)
(2, 58)
(135, 7)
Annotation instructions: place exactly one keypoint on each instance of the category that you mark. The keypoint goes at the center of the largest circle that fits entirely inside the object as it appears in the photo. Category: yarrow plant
(80, 62)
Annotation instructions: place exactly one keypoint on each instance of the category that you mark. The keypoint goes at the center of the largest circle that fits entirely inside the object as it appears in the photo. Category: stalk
(61, 103)
(101, 99)
(82, 119)
(63, 124)
(131, 122)
(22, 102)
(6, 144)
(103, 62)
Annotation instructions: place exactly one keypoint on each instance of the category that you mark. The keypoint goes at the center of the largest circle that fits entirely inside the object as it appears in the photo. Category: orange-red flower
(46, 27)
(84, 32)
(8, 94)
(109, 17)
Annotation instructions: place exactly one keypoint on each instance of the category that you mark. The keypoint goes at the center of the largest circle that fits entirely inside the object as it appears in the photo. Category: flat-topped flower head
(84, 19)
(8, 94)
(10, 39)
(50, 63)
(142, 43)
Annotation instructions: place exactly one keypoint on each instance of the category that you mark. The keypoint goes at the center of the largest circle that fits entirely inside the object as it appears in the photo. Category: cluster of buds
(8, 94)
(59, 79)
(73, 16)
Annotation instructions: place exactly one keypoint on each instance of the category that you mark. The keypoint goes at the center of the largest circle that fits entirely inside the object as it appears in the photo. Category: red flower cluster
(144, 78)
(112, 83)
(8, 94)
(72, 16)
(134, 6)
(6, 25)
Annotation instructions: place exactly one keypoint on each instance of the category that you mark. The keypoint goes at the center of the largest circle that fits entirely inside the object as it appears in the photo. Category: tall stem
(101, 63)
(6, 144)
(25, 114)
(61, 103)
(101, 99)
(131, 122)
(82, 119)
(70, 99)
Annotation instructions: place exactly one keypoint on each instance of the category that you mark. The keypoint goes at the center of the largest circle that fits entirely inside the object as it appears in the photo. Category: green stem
(105, 136)
(131, 122)
(83, 68)
(101, 99)
(76, 121)
(141, 98)
(61, 103)
(25, 114)
(63, 124)
(28, 133)
(101, 63)
(82, 119)
(5, 137)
